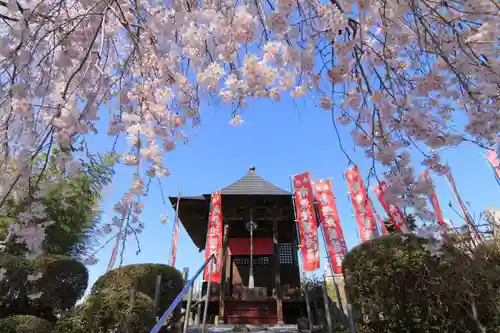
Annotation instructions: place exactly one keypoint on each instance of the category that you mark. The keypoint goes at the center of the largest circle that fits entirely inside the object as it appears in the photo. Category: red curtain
(241, 246)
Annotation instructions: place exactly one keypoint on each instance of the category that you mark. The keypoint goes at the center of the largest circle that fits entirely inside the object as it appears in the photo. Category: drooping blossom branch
(399, 74)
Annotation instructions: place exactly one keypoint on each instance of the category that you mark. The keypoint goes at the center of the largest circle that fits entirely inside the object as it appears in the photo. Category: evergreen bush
(61, 285)
(396, 285)
(109, 310)
(143, 278)
(25, 324)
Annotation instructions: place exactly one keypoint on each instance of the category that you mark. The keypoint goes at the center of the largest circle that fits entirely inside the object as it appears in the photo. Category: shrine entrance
(240, 276)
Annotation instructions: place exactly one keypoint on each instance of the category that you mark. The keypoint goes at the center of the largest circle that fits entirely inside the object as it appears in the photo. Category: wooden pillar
(225, 239)
(277, 277)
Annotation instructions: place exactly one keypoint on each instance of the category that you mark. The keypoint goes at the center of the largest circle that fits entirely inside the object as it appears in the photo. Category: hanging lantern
(251, 226)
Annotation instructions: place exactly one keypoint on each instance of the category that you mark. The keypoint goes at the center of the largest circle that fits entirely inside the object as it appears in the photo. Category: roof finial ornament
(252, 169)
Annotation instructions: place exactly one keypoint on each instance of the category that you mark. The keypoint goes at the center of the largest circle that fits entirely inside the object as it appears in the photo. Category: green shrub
(143, 278)
(487, 283)
(71, 322)
(25, 324)
(398, 286)
(110, 309)
(63, 282)
(12, 286)
(375, 268)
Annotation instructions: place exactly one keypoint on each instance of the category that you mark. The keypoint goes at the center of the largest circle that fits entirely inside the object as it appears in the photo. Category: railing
(188, 289)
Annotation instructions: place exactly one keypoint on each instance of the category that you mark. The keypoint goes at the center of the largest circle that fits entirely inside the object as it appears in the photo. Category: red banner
(175, 237)
(362, 207)
(491, 156)
(330, 222)
(214, 239)
(306, 218)
(395, 214)
(175, 234)
(434, 200)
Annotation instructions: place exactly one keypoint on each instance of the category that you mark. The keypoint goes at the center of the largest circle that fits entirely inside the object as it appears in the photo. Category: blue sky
(280, 140)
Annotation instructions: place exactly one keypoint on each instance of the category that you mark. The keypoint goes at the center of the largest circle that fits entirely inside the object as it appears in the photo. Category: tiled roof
(194, 210)
(252, 184)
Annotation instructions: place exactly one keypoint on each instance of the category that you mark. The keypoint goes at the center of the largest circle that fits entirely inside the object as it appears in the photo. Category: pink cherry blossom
(403, 73)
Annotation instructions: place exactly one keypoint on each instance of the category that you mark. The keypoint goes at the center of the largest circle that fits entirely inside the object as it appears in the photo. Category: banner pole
(301, 273)
(454, 190)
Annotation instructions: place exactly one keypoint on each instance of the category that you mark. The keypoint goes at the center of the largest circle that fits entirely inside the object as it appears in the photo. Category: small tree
(313, 286)
(69, 202)
(53, 282)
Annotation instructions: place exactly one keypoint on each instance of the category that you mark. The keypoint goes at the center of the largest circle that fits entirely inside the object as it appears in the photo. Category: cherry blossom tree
(401, 75)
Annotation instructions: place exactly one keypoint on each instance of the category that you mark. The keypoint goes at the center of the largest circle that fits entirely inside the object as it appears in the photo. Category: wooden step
(252, 320)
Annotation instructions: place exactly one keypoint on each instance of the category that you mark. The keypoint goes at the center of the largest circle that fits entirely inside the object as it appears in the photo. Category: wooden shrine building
(275, 297)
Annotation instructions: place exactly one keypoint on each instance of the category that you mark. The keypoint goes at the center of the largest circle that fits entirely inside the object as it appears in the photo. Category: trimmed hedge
(143, 278)
(378, 266)
(108, 305)
(63, 282)
(25, 324)
(397, 286)
(110, 309)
